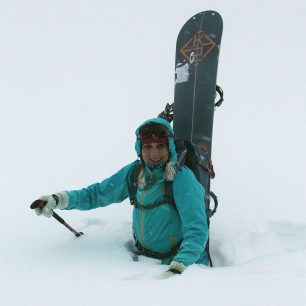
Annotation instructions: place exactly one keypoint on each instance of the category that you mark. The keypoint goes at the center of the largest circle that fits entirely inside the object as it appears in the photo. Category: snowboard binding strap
(219, 90)
(167, 114)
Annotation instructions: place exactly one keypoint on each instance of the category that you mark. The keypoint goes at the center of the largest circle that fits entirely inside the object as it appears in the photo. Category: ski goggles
(153, 130)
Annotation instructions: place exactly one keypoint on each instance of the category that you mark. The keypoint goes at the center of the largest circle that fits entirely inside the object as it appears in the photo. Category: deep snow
(77, 78)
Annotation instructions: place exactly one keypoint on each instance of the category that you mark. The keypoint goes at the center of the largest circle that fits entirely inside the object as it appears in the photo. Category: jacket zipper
(142, 211)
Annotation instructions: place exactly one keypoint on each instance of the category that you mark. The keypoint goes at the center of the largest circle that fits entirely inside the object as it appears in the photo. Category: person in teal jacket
(176, 234)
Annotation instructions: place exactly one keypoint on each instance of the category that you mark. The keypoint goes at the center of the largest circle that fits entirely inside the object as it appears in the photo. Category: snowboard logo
(198, 47)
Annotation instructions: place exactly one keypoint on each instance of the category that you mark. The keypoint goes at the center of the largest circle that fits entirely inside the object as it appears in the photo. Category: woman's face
(155, 153)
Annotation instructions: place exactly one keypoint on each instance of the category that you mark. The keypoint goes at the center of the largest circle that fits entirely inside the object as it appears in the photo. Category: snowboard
(196, 63)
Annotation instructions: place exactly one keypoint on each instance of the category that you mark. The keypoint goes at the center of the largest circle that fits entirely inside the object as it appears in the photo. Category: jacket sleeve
(189, 198)
(112, 190)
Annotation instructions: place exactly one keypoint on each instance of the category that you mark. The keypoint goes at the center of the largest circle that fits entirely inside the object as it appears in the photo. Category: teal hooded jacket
(162, 228)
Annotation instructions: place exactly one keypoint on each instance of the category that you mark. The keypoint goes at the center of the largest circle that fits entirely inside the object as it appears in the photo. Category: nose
(155, 154)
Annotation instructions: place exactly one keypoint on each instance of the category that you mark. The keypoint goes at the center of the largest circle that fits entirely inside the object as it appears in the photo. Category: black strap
(144, 251)
(154, 205)
(211, 212)
(133, 186)
(221, 96)
(133, 181)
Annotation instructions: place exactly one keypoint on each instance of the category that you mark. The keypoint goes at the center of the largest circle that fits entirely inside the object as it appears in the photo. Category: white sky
(77, 78)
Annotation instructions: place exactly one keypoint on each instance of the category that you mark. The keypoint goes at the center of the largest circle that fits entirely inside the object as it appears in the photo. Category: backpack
(195, 158)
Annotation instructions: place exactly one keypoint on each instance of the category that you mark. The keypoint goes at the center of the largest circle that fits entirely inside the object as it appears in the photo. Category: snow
(77, 78)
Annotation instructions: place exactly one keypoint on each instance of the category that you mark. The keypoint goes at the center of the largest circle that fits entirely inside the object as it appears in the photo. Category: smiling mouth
(153, 164)
(156, 161)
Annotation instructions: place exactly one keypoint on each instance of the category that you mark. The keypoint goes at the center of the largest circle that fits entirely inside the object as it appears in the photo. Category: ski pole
(41, 204)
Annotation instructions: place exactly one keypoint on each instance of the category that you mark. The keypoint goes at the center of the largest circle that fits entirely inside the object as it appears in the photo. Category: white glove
(57, 200)
(175, 268)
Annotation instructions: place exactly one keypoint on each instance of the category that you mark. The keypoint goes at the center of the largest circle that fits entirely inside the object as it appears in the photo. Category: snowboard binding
(167, 113)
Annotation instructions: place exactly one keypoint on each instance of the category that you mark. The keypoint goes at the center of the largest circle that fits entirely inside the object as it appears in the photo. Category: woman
(176, 232)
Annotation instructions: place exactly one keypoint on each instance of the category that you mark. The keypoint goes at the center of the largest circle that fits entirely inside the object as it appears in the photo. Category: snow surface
(76, 79)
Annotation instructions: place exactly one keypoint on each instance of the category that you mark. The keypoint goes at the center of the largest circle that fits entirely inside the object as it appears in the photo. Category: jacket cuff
(62, 199)
(176, 267)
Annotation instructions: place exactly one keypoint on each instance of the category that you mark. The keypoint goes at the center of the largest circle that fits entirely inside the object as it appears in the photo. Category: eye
(147, 147)
(161, 146)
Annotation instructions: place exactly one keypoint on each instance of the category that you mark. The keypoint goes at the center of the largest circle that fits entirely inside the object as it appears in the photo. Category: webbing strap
(133, 186)
(151, 206)
(149, 253)
(133, 181)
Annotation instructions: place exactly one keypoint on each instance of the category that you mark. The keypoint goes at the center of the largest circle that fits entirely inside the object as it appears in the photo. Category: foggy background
(76, 80)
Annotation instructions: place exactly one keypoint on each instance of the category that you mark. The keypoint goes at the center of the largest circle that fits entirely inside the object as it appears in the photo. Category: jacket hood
(171, 145)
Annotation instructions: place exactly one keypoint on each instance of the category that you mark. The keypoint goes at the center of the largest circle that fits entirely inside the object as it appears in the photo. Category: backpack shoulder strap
(133, 186)
(169, 197)
(133, 181)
